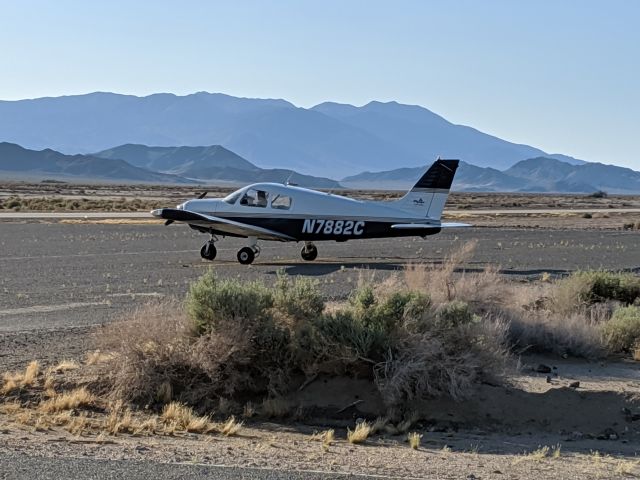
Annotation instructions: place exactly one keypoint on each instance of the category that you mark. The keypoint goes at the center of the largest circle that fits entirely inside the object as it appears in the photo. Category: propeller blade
(169, 222)
(202, 195)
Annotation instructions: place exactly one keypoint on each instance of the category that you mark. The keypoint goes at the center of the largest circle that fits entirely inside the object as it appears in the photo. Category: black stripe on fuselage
(313, 229)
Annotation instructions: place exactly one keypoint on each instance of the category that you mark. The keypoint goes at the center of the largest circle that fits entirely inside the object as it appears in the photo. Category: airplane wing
(427, 226)
(219, 224)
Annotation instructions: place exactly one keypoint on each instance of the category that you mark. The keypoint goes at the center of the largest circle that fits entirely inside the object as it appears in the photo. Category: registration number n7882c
(333, 227)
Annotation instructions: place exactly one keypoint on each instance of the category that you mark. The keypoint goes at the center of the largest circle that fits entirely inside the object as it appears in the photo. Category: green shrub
(211, 301)
(455, 314)
(363, 297)
(622, 332)
(299, 297)
(590, 287)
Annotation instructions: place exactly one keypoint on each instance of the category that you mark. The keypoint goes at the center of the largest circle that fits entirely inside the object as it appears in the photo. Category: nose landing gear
(208, 250)
(309, 252)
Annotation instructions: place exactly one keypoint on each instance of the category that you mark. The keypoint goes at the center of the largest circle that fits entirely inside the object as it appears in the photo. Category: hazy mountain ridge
(343, 139)
(540, 174)
(25, 163)
(209, 163)
(132, 163)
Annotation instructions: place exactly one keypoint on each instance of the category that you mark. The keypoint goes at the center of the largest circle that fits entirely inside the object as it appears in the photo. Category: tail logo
(418, 201)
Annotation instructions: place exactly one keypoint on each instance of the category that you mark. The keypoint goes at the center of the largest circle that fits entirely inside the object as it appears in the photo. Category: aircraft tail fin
(429, 194)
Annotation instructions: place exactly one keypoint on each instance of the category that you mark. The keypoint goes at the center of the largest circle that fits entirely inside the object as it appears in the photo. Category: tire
(246, 256)
(309, 253)
(208, 251)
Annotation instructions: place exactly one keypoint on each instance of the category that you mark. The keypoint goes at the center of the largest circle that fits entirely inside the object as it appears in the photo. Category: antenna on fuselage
(288, 180)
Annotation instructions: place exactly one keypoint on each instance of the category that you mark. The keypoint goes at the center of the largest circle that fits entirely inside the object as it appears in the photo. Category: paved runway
(57, 280)
(20, 466)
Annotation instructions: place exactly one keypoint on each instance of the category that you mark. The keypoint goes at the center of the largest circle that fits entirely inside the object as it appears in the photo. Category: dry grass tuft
(360, 433)
(12, 381)
(628, 468)
(231, 427)
(30, 374)
(97, 357)
(80, 397)
(64, 366)
(276, 407)
(181, 417)
(539, 454)
(249, 410)
(414, 440)
(379, 425)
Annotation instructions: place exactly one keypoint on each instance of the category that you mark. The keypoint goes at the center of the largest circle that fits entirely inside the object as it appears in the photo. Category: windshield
(233, 197)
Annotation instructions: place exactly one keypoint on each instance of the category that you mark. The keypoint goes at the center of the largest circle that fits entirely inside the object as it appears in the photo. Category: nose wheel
(309, 252)
(208, 250)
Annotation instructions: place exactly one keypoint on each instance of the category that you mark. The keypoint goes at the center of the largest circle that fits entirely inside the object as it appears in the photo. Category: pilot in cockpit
(262, 199)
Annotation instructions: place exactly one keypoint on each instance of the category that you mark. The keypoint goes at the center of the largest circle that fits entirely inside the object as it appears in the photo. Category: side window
(255, 198)
(281, 202)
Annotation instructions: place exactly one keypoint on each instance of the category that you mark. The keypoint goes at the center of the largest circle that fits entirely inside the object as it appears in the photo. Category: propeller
(200, 197)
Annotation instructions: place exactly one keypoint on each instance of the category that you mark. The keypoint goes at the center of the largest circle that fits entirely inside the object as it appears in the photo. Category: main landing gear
(309, 252)
(246, 255)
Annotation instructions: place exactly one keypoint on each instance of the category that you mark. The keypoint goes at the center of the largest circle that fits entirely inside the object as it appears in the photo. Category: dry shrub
(585, 288)
(181, 417)
(64, 366)
(97, 357)
(251, 342)
(276, 407)
(79, 397)
(12, 381)
(577, 334)
(449, 281)
(151, 351)
(231, 427)
(327, 437)
(414, 440)
(622, 331)
(360, 433)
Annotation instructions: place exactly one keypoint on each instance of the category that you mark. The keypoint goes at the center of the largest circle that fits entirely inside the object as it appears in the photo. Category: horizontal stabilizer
(455, 225)
(427, 226)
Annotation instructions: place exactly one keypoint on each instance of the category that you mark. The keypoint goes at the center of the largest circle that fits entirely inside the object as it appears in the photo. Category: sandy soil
(528, 429)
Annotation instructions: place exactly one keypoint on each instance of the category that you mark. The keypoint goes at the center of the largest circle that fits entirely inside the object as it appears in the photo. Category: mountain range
(142, 164)
(540, 174)
(217, 138)
(330, 137)
(208, 164)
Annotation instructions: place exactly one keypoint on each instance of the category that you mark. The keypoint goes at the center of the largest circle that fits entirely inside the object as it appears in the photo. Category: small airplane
(287, 213)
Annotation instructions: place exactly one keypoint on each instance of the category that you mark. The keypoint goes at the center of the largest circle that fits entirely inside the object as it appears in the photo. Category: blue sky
(563, 76)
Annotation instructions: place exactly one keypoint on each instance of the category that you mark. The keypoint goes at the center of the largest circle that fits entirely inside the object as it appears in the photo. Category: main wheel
(309, 253)
(208, 251)
(246, 255)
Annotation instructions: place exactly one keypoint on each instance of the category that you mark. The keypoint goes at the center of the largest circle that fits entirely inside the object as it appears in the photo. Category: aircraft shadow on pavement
(318, 269)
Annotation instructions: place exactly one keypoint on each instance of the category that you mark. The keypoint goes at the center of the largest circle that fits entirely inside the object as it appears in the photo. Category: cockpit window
(232, 198)
(281, 202)
(255, 198)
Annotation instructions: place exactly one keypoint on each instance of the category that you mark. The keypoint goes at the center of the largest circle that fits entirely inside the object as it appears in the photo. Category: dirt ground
(527, 429)
(170, 195)
(59, 281)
